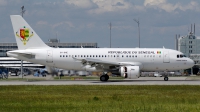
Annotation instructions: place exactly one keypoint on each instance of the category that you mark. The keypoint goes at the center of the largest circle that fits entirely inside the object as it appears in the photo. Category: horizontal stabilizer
(22, 53)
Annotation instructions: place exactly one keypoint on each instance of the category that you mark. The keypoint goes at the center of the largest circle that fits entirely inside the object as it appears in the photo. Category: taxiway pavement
(140, 81)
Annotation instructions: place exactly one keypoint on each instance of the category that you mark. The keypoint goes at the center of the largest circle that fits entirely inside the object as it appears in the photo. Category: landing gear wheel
(107, 77)
(104, 78)
(165, 78)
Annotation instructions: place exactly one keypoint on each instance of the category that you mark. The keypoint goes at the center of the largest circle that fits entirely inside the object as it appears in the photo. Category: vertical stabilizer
(25, 36)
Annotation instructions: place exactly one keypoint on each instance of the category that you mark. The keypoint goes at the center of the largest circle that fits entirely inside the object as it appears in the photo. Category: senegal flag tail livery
(25, 36)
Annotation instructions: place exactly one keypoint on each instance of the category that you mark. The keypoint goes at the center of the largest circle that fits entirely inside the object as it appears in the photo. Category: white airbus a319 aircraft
(126, 62)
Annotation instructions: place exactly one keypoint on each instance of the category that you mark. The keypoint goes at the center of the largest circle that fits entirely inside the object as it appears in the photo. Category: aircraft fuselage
(70, 58)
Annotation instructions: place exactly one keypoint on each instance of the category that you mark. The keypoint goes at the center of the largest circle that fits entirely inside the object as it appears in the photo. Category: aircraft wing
(95, 62)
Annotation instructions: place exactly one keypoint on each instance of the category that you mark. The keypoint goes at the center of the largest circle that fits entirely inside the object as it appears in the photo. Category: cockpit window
(180, 56)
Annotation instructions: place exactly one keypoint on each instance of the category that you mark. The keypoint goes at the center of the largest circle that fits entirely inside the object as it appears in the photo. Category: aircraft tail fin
(25, 36)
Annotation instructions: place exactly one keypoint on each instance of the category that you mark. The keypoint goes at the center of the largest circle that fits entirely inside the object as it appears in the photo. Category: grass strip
(114, 98)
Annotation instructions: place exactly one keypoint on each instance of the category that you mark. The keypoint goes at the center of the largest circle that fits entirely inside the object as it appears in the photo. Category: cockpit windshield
(180, 56)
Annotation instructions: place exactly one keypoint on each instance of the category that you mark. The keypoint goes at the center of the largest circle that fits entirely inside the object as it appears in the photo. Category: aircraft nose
(190, 63)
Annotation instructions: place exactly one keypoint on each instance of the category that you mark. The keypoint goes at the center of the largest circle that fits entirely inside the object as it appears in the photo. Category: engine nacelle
(91, 68)
(130, 72)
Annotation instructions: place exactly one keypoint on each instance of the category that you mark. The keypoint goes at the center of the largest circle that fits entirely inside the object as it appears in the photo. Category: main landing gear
(104, 77)
(166, 78)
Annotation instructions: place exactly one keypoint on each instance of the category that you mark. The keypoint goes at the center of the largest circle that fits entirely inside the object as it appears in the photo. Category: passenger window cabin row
(99, 56)
(150, 56)
(104, 56)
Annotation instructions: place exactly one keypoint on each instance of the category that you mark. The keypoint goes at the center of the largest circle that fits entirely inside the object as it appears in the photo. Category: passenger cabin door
(166, 57)
(49, 58)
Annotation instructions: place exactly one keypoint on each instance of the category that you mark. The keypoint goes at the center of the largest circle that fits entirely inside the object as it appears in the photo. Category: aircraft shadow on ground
(110, 81)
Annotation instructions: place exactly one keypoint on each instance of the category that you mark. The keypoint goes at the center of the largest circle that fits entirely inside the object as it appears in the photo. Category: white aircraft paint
(127, 62)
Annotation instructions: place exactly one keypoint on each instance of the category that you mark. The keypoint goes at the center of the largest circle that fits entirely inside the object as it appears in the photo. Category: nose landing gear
(166, 78)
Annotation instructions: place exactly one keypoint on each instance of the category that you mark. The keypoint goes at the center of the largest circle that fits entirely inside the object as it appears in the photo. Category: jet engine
(92, 68)
(130, 72)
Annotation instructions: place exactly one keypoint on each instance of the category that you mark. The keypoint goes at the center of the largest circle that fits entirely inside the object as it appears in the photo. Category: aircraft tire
(166, 78)
(104, 78)
(107, 77)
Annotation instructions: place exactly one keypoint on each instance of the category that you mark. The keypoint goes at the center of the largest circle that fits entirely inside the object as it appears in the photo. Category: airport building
(190, 46)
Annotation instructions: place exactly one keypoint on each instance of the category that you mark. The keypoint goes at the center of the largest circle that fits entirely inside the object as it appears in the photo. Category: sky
(84, 21)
